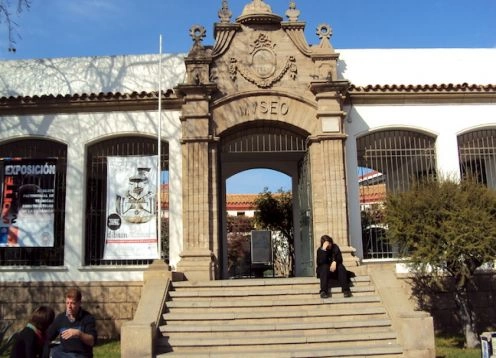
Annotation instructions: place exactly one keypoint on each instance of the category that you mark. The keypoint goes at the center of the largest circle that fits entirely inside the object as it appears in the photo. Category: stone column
(328, 171)
(199, 167)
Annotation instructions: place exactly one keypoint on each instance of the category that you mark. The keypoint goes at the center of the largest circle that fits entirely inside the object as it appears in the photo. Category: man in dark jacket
(330, 265)
(76, 327)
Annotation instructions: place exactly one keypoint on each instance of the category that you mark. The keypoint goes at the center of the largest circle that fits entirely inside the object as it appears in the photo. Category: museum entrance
(276, 146)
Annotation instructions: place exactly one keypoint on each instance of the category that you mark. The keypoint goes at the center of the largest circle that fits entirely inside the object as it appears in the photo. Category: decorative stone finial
(224, 13)
(257, 7)
(292, 13)
(324, 31)
(197, 33)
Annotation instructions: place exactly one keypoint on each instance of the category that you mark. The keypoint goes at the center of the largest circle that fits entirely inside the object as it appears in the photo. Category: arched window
(96, 193)
(388, 160)
(477, 153)
(38, 195)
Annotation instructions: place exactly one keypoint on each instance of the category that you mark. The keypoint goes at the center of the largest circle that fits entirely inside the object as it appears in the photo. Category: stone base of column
(197, 265)
(349, 258)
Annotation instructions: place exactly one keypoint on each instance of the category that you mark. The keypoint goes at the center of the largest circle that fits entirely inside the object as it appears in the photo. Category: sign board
(261, 247)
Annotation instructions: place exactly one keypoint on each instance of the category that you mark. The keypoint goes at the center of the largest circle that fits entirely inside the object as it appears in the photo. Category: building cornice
(144, 101)
(423, 94)
(93, 102)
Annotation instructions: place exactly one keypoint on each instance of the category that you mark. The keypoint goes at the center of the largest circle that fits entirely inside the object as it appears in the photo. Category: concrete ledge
(415, 328)
(138, 335)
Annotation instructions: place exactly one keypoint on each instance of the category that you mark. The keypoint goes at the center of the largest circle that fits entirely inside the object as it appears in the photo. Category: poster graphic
(131, 231)
(27, 202)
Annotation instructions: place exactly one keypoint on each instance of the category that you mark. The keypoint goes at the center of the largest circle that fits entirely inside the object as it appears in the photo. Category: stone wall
(112, 303)
(442, 307)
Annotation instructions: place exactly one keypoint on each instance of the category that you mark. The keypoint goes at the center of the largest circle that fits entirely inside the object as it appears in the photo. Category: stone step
(264, 340)
(272, 326)
(212, 316)
(377, 351)
(273, 282)
(288, 345)
(275, 318)
(310, 331)
(289, 301)
(249, 293)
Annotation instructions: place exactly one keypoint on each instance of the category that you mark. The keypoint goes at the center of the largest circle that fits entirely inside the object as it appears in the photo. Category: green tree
(446, 229)
(275, 213)
(7, 17)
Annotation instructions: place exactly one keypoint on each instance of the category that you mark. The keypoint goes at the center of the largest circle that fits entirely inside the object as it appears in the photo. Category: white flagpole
(159, 150)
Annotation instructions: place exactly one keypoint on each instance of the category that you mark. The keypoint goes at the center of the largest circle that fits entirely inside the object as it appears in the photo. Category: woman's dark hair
(42, 317)
(325, 238)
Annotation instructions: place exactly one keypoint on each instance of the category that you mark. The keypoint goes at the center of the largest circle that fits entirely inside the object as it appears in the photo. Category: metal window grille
(97, 190)
(35, 148)
(265, 139)
(477, 155)
(388, 160)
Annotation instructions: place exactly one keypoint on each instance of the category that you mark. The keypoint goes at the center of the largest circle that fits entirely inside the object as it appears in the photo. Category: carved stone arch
(282, 109)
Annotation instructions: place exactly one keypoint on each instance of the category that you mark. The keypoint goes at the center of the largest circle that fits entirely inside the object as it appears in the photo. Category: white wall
(417, 66)
(78, 75)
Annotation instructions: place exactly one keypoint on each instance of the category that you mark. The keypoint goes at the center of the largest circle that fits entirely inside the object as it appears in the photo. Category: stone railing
(138, 335)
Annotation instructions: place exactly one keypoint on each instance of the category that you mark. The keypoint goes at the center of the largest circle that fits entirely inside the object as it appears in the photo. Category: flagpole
(159, 150)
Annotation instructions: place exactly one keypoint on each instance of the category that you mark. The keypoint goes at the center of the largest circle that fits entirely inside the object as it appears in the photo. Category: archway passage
(269, 145)
(243, 190)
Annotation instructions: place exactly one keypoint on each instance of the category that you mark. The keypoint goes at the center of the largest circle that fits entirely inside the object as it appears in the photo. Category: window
(388, 161)
(96, 192)
(42, 149)
(477, 153)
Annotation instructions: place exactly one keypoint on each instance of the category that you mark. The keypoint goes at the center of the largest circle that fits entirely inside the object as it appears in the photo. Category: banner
(27, 202)
(131, 231)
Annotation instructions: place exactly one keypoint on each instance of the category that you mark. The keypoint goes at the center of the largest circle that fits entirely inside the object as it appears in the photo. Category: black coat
(27, 344)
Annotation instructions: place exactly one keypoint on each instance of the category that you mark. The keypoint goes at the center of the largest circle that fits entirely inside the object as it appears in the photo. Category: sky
(69, 28)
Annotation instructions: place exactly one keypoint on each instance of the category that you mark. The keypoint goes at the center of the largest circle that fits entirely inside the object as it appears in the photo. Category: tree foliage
(275, 213)
(445, 229)
(9, 8)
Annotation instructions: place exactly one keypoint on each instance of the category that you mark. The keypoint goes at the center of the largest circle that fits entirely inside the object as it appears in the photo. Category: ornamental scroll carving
(263, 70)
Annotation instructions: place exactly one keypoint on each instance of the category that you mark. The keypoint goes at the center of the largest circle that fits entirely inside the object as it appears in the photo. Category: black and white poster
(131, 227)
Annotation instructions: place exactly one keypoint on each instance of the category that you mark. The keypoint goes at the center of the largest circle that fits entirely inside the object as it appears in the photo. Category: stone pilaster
(199, 167)
(328, 172)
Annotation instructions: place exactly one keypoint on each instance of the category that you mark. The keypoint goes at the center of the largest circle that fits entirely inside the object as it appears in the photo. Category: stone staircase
(275, 317)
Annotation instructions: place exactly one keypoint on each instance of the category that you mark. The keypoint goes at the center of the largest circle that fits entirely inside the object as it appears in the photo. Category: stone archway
(261, 72)
(272, 145)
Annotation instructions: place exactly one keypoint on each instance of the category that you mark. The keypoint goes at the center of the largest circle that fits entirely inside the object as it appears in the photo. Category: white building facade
(89, 108)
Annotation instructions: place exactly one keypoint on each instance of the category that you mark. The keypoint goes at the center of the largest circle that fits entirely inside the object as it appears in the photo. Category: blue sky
(67, 28)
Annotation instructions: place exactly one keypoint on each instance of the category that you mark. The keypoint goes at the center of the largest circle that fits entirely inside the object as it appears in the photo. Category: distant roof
(240, 202)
